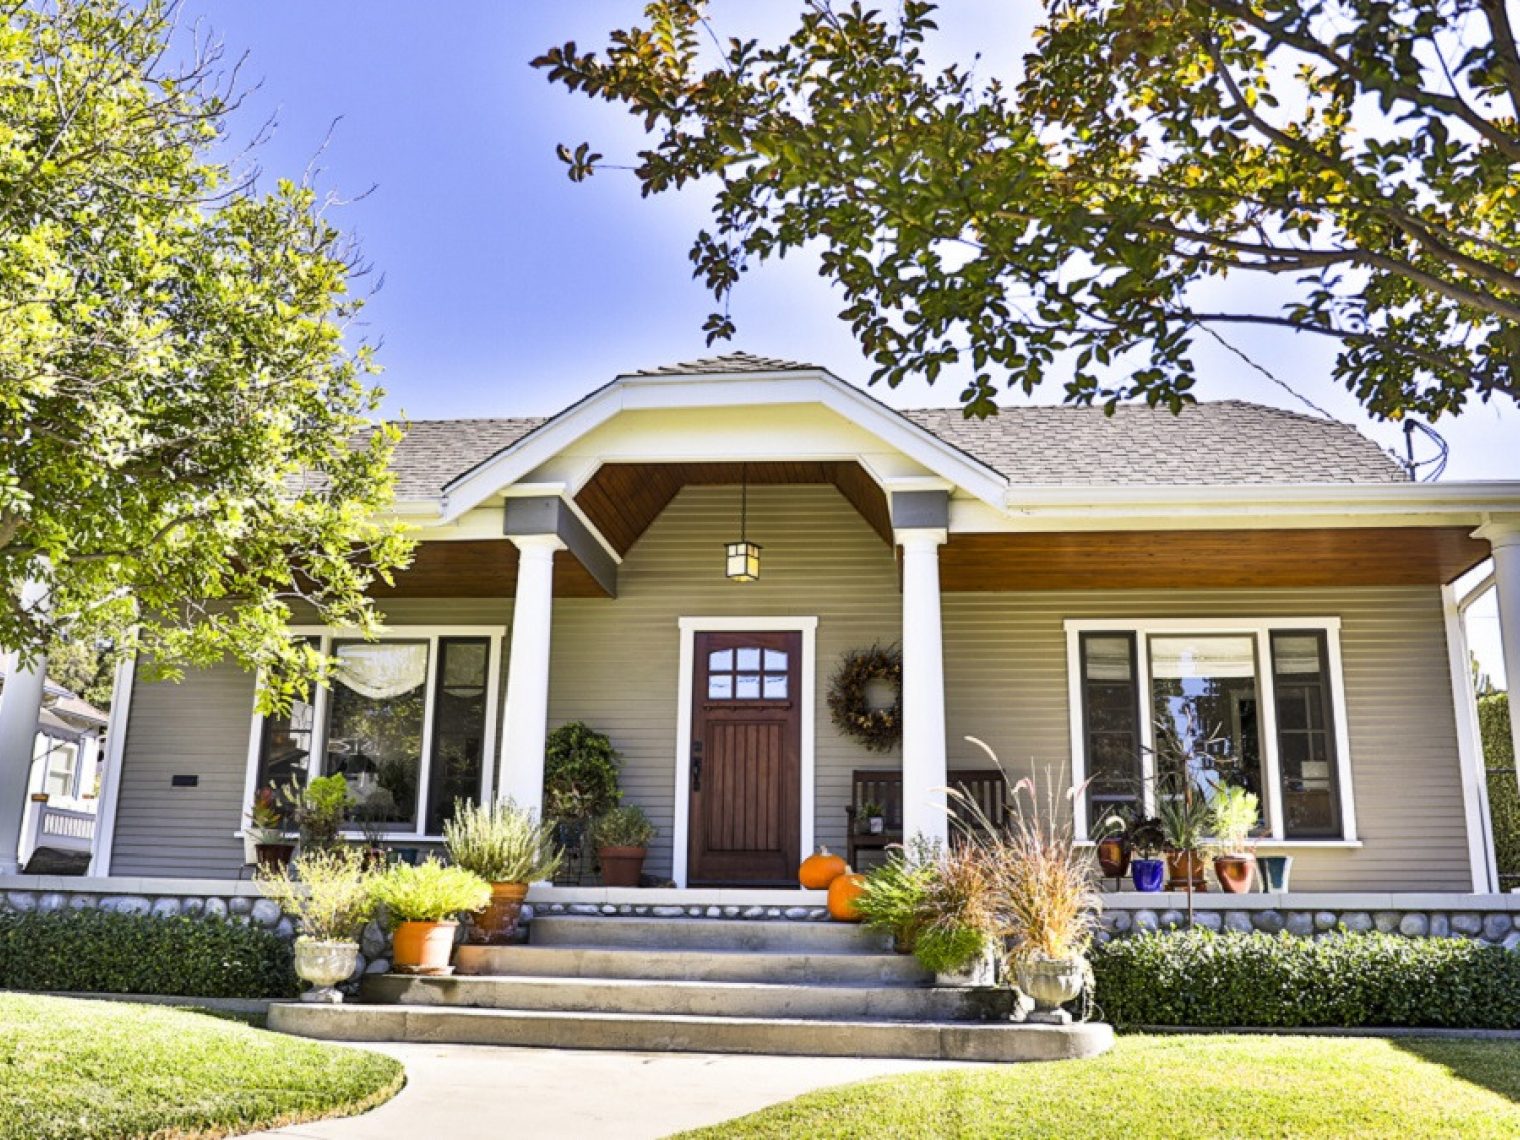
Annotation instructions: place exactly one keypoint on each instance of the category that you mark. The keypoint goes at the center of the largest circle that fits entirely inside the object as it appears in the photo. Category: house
(1059, 582)
(67, 753)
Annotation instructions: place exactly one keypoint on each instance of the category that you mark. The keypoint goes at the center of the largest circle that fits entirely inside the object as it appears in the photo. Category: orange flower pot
(496, 924)
(423, 948)
(820, 869)
(843, 892)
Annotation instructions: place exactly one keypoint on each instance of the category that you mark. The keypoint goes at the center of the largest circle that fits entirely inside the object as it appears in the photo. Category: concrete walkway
(465, 1090)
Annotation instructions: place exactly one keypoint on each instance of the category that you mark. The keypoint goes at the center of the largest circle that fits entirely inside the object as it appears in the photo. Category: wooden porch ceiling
(481, 568)
(622, 499)
(1209, 559)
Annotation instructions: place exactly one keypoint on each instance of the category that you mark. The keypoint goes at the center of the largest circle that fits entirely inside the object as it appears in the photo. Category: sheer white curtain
(383, 670)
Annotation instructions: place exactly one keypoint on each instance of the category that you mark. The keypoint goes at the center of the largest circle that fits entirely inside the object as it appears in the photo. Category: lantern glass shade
(743, 561)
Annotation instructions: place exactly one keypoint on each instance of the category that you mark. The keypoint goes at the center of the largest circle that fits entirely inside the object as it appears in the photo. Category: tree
(1362, 156)
(84, 669)
(186, 450)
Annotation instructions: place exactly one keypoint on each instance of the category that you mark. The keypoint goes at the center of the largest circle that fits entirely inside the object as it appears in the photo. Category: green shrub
(580, 773)
(624, 826)
(1283, 981)
(1503, 791)
(96, 951)
(501, 842)
(429, 892)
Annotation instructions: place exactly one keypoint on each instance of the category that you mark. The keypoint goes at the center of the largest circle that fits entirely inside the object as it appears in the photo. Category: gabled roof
(1219, 443)
(432, 452)
(729, 362)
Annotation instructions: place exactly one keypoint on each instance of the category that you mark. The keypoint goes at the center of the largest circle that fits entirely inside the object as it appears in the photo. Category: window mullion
(317, 763)
(1272, 777)
(425, 761)
(1147, 722)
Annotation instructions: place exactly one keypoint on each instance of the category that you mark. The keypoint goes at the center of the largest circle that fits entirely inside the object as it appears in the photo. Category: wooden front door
(746, 744)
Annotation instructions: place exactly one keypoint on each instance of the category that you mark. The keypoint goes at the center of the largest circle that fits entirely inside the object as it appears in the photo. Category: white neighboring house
(68, 757)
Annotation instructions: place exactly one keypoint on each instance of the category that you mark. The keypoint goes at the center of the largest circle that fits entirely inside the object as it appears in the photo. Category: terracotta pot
(423, 948)
(1234, 873)
(324, 965)
(1113, 858)
(621, 866)
(820, 869)
(1181, 866)
(273, 856)
(497, 923)
(843, 892)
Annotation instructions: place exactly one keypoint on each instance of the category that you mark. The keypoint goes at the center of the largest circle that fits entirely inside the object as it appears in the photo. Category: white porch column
(527, 710)
(1504, 539)
(923, 688)
(20, 703)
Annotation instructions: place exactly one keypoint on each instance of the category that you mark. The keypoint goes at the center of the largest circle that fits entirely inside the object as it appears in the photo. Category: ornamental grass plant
(502, 842)
(326, 892)
(957, 919)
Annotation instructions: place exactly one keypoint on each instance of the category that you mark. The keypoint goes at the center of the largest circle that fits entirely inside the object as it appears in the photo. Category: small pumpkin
(820, 869)
(843, 892)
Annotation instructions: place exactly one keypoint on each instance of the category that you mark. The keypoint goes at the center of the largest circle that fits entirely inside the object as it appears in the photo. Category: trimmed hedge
(1282, 981)
(95, 951)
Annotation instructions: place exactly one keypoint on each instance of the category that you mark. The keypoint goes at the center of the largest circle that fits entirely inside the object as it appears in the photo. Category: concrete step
(689, 965)
(706, 934)
(949, 1041)
(695, 999)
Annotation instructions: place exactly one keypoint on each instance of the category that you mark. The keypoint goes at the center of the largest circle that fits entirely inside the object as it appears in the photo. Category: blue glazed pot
(1275, 871)
(1147, 874)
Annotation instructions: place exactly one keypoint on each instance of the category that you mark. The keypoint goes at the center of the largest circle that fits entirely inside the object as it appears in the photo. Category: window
(748, 673)
(1249, 703)
(407, 722)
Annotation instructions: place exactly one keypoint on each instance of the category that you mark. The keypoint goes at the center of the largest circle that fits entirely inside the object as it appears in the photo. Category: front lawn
(89, 1070)
(1184, 1086)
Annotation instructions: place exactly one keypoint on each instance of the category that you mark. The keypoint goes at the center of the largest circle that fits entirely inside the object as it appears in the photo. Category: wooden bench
(985, 786)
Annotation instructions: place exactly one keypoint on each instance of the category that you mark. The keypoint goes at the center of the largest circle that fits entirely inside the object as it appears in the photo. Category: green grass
(1184, 1086)
(87, 1070)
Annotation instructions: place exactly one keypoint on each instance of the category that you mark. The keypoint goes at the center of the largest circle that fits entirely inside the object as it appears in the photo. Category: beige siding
(615, 662)
(1006, 683)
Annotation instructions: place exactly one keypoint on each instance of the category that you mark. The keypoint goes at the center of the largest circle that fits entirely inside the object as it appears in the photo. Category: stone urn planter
(982, 972)
(1050, 983)
(324, 965)
(497, 923)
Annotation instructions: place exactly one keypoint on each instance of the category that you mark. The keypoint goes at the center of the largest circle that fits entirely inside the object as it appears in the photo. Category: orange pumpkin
(843, 892)
(820, 869)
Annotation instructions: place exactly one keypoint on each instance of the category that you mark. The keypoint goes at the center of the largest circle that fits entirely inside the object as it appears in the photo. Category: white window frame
(431, 634)
(689, 627)
(1260, 630)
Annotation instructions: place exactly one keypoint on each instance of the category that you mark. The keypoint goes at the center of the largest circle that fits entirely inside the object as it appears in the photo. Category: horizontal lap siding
(1006, 682)
(199, 727)
(615, 662)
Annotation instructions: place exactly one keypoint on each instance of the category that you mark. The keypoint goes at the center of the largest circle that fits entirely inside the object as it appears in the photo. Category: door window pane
(1203, 699)
(459, 727)
(720, 687)
(1111, 713)
(1305, 736)
(374, 733)
(748, 673)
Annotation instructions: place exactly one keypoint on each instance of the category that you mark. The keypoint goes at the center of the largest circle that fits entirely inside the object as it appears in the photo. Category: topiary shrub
(95, 951)
(1282, 981)
(580, 773)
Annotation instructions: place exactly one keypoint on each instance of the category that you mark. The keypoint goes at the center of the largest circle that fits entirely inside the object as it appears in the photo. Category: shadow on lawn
(1491, 1064)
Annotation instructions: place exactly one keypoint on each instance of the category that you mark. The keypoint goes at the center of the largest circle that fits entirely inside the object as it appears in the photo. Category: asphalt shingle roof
(728, 362)
(432, 452)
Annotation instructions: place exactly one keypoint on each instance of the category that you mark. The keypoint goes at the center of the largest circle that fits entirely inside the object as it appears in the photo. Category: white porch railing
(57, 827)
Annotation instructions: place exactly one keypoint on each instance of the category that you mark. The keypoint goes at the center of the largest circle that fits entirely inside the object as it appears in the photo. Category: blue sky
(508, 290)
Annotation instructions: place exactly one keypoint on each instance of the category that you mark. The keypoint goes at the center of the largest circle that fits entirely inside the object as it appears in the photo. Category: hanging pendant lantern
(742, 558)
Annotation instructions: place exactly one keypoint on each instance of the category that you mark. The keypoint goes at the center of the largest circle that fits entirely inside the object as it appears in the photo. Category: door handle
(696, 765)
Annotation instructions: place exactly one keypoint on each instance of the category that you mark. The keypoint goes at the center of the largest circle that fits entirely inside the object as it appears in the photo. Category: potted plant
(622, 838)
(1236, 813)
(272, 848)
(580, 782)
(892, 894)
(1114, 848)
(327, 894)
(319, 811)
(1185, 822)
(873, 818)
(509, 848)
(421, 903)
(1146, 869)
(955, 936)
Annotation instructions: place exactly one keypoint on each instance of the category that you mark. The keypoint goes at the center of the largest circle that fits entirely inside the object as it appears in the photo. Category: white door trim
(689, 627)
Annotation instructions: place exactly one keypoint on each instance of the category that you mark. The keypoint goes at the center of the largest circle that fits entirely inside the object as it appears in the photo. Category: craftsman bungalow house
(1057, 580)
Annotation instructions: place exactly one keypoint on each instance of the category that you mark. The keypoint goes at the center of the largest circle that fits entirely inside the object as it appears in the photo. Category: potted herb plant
(1236, 813)
(422, 903)
(873, 818)
(272, 848)
(622, 838)
(319, 811)
(327, 894)
(1146, 869)
(509, 848)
